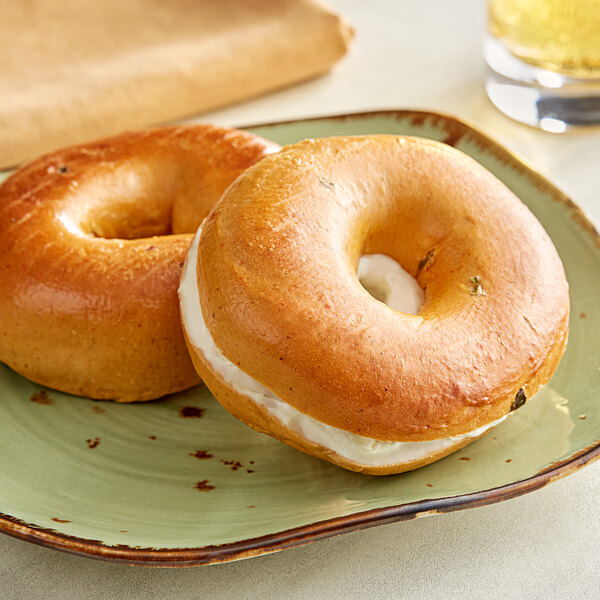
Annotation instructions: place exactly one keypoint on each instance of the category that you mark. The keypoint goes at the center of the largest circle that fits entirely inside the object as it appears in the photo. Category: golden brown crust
(278, 289)
(255, 416)
(85, 306)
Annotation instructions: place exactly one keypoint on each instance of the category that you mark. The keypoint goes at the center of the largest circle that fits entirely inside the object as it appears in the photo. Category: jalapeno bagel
(288, 340)
(92, 241)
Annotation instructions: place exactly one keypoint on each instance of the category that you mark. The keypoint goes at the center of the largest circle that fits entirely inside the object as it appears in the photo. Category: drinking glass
(544, 61)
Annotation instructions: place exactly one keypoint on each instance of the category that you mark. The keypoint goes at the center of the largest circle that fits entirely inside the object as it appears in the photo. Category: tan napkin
(75, 70)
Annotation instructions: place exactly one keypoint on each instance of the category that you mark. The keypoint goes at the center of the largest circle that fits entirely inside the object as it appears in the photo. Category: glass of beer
(544, 61)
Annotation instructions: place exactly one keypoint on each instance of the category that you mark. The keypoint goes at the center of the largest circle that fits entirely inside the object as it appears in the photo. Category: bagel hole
(122, 221)
(137, 203)
(386, 281)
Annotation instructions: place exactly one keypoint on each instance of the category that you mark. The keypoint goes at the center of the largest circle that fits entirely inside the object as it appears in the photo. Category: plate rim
(297, 536)
(304, 534)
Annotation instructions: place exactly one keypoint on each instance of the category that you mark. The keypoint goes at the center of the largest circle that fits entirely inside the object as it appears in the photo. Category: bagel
(92, 241)
(289, 341)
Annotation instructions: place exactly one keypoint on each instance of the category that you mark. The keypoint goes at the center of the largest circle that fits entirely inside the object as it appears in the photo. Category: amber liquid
(559, 35)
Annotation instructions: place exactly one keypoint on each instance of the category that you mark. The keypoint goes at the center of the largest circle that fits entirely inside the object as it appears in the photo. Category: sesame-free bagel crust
(278, 288)
(92, 240)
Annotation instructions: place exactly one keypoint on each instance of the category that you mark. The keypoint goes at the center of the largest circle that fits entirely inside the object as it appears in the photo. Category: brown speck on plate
(582, 315)
(57, 520)
(123, 531)
(42, 398)
(234, 464)
(152, 437)
(93, 443)
(204, 486)
(429, 484)
(193, 412)
(249, 470)
(201, 454)
(464, 458)
(98, 410)
(251, 506)
(582, 417)
(509, 460)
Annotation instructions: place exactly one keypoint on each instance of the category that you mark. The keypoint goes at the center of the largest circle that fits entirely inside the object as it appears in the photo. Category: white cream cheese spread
(387, 281)
(384, 279)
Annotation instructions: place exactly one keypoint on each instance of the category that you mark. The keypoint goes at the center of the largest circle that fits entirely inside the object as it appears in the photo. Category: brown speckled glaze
(191, 412)
(201, 454)
(204, 486)
(42, 398)
(180, 557)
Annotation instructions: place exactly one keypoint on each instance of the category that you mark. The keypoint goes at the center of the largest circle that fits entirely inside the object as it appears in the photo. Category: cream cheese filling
(387, 281)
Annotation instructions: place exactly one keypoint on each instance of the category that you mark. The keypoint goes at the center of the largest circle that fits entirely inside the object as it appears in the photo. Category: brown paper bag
(71, 71)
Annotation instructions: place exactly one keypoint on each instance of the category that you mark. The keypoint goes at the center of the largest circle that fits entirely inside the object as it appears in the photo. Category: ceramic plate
(180, 482)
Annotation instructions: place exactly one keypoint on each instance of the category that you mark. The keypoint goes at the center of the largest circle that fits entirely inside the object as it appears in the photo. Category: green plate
(180, 482)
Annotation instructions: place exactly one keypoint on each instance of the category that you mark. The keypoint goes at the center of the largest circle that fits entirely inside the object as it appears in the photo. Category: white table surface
(546, 544)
